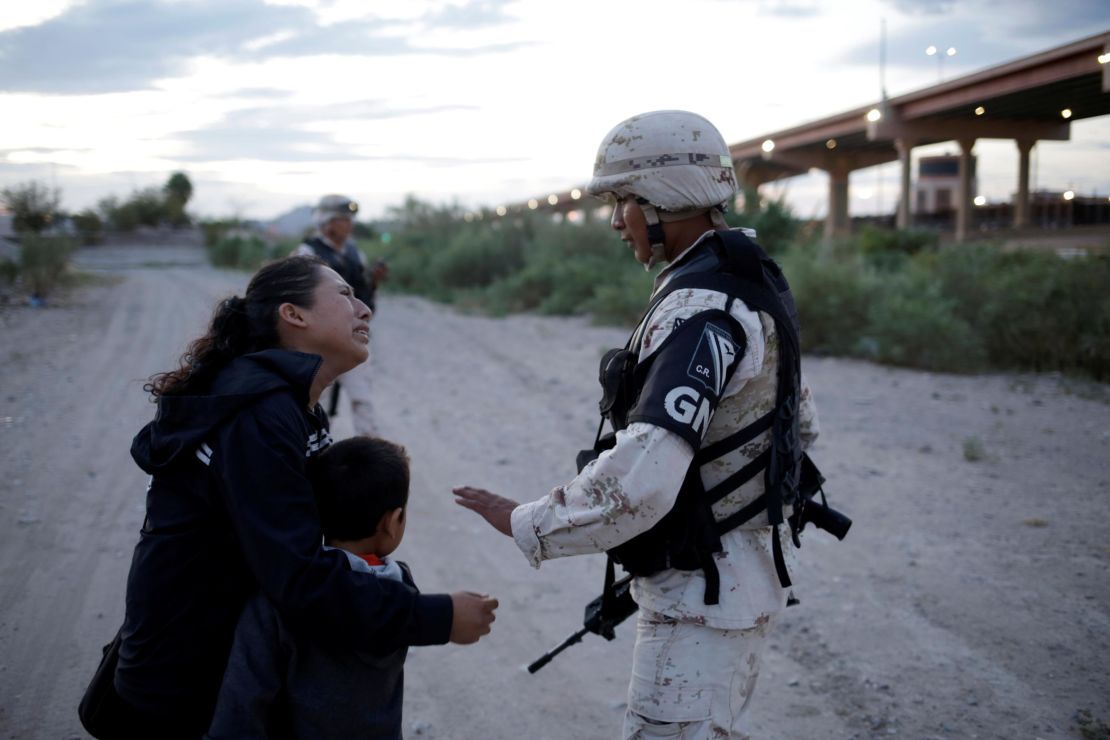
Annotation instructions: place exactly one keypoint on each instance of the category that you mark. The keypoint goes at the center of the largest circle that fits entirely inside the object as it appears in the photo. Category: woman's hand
(497, 510)
(472, 617)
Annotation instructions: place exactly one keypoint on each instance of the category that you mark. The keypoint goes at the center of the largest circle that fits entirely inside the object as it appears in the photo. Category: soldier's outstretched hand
(497, 510)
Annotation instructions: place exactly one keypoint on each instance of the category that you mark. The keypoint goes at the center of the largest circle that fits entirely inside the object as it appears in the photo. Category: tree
(33, 205)
(178, 189)
(89, 226)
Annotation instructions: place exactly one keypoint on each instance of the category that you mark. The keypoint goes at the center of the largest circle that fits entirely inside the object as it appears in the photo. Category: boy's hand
(473, 615)
(497, 510)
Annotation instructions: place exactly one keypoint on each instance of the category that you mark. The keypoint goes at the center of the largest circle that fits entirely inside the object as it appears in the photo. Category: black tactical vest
(349, 266)
(688, 536)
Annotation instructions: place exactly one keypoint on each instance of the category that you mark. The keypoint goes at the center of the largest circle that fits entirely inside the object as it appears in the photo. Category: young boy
(278, 683)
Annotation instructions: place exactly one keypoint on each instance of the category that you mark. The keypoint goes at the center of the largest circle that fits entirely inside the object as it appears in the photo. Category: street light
(933, 51)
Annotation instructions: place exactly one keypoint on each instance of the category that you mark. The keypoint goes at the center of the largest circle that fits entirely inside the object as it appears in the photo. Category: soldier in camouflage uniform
(668, 175)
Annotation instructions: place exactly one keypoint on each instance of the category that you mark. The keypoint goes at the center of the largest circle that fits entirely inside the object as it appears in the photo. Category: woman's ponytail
(230, 328)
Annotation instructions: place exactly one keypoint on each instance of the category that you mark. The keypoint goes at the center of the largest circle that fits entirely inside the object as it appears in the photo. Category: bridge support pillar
(1021, 199)
(904, 147)
(963, 193)
(837, 222)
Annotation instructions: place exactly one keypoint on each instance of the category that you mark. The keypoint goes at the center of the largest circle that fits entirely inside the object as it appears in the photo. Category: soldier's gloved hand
(497, 510)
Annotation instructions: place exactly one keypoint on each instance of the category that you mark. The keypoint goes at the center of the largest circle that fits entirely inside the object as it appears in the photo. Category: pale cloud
(922, 7)
(269, 103)
(791, 8)
(122, 45)
(293, 133)
(481, 14)
(118, 46)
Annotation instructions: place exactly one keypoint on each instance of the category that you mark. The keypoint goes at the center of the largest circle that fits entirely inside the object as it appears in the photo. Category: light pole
(933, 51)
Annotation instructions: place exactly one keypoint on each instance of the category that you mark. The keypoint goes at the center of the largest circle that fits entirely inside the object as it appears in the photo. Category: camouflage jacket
(631, 487)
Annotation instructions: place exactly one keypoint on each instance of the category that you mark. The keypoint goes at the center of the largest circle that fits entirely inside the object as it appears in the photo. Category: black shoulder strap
(324, 252)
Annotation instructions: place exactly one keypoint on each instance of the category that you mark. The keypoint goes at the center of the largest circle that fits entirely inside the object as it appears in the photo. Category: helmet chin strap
(655, 220)
(655, 234)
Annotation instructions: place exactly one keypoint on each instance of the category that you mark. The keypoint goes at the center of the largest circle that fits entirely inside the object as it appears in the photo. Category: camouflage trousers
(356, 383)
(690, 681)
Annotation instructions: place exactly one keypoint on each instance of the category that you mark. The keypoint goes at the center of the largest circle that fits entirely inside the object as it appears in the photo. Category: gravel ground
(970, 600)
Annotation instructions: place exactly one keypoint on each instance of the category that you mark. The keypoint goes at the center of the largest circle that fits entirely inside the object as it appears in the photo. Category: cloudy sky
(267, 104)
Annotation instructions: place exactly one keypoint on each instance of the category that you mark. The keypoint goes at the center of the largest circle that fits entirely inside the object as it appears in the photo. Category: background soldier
(334, 217)
(706, 368)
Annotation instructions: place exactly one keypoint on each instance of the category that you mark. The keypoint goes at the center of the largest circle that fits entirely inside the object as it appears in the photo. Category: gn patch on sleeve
(681, 383)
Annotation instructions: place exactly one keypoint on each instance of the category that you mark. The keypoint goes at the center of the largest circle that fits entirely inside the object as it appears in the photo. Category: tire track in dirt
(88, 494)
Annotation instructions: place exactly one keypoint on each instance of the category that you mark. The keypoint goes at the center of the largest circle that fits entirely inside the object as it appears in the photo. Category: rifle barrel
(546, 657)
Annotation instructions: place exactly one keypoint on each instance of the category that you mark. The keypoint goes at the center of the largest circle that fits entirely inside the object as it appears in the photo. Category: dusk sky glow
(267, 105)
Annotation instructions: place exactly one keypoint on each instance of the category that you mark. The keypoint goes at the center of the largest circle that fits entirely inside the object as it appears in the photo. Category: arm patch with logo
(681, 383)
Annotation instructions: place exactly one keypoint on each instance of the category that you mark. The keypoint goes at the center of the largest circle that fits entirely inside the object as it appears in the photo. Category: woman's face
(338, 323)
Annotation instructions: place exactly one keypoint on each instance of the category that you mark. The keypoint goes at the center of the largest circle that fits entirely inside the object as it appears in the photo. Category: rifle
(333, 404)
(602, 616)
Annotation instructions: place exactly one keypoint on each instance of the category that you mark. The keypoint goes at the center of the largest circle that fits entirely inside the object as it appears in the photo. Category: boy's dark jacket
(279, 685)
(229, 512)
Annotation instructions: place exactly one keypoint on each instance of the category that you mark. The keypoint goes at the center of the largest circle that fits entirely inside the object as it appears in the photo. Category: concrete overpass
(1026, 100)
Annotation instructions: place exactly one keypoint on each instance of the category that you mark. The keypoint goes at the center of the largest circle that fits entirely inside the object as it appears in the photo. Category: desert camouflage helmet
(334, 206)
(675, 160)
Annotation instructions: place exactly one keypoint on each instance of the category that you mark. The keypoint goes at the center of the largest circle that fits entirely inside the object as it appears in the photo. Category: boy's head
(362, 488)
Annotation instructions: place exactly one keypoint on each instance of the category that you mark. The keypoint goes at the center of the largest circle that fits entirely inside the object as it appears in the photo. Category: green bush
(476, 256)
(875, 241)
(775, 226)
(245, 252)
(833, 296)
(963, 272)
(43, 262)
(144, 207)
(89, 226)
(215, 230)
(9, 271)
(1041, 312)
(1093, 350)
(621, 300)
(893, 297)
(520, 263)
(911, 322)
(33, 206)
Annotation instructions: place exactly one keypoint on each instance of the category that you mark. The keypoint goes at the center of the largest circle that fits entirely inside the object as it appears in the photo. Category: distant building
(938, 184)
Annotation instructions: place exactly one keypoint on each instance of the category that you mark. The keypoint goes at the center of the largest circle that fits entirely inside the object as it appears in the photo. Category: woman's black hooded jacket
(230, 511)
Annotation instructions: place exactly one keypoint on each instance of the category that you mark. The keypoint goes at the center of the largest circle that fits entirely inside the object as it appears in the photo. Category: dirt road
(971, 599)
